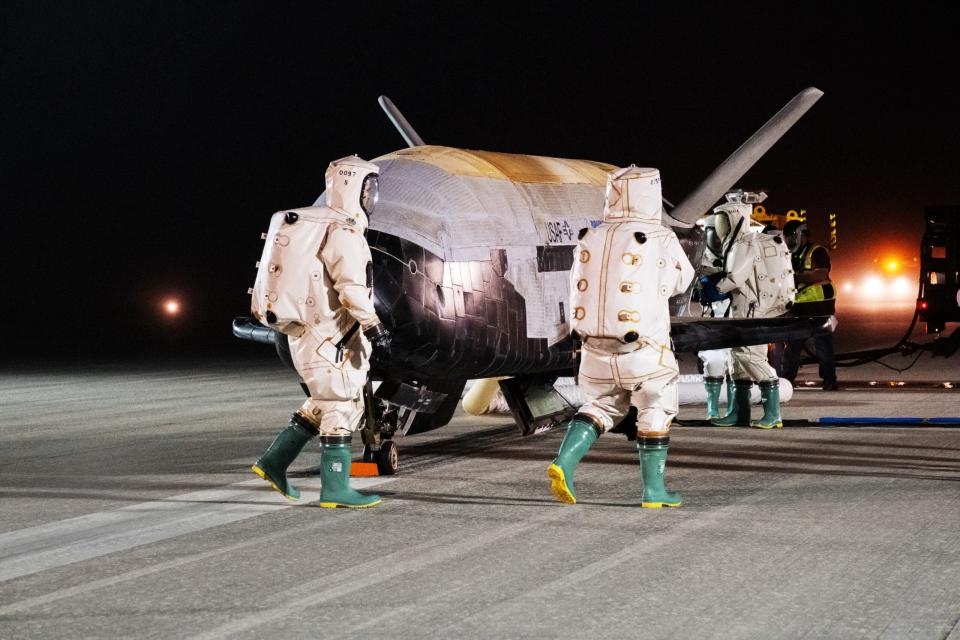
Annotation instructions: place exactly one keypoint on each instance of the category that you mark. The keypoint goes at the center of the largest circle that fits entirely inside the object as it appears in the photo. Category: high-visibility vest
(814, 291)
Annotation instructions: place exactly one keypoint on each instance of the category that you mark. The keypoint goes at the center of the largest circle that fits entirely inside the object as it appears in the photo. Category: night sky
(145, 144)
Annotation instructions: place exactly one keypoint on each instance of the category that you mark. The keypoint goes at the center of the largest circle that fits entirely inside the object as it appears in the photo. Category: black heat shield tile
(555, 258)
(455, 332)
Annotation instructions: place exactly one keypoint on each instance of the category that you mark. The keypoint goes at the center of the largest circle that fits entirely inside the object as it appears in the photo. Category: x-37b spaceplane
(471, 258)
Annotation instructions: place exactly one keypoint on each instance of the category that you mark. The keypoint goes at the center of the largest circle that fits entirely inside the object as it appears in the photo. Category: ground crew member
(314, 286)
(754, 292)
(816, 296)
(624, 272)
(716, 362)
(775, 349)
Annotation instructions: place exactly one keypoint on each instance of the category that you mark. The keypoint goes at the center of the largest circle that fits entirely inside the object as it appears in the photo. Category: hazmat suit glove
(380, 340)
(708, 289)
(713, 279)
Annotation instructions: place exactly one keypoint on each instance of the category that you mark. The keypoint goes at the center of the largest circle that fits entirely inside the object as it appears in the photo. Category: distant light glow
(900, 286)
(848, 286)
(893, 266)
(873, 287)
(171, 307)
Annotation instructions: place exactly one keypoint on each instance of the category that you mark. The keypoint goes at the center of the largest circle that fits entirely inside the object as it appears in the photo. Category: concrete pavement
(128, 511)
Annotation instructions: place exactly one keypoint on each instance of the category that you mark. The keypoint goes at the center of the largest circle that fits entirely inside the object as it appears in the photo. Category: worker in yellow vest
(816, 296)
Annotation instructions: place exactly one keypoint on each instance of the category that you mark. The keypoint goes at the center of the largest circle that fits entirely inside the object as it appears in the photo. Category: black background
(145, 144)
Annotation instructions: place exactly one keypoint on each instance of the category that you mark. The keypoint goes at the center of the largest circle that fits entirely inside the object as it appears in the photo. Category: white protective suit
(313, 286)
(748, 284)
(624, 272)
(716, 362)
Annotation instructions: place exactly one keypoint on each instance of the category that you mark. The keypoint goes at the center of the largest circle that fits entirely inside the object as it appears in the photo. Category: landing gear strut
(377, 448)
(401, 408)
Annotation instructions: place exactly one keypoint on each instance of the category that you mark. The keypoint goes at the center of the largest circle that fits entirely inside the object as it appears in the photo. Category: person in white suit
(624, 272)
(716, 362)
(757, 277)
(314, 286)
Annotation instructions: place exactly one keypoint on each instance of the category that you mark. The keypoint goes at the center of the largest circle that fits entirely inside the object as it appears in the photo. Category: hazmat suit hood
(633, 193)
(732, 221)
(345, 179)
(714, 244)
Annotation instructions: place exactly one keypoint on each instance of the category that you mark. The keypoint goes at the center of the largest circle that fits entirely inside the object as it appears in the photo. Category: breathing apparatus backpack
(776, 289)
(291, 288)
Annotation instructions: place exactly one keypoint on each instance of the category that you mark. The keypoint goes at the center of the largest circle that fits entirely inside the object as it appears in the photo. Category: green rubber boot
(714, 386)
(335, 488)
(731, 393)
(653, 460)
(272, 465)
(581, 434)
(739, 411)
(770, 397)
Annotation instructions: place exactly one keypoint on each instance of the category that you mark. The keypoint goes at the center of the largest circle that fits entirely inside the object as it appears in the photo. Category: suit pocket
(345, 380)
(328, 376)
(595, 365)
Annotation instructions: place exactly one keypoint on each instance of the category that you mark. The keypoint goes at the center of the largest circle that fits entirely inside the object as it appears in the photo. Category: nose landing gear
(400, 408)
(385, 456)
(377, 448)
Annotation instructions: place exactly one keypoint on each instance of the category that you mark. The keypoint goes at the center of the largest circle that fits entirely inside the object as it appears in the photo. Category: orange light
(171, 307)
(892, 265)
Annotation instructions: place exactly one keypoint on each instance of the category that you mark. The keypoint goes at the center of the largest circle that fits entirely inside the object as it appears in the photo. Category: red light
(922, 305)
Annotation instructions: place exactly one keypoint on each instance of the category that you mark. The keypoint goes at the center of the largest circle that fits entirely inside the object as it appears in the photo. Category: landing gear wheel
(388, 461)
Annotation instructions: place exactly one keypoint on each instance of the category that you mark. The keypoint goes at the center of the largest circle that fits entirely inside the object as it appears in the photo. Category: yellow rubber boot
(272, 465)
(335, 490)
(653, 461)
(581, 434)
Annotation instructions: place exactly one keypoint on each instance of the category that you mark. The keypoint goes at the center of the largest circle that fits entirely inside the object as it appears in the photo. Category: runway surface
(128, 510)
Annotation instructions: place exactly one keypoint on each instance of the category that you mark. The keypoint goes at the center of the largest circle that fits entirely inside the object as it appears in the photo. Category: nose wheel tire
(386, 457)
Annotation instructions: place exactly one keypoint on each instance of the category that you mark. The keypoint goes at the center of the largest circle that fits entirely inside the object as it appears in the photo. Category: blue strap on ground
(876, 421)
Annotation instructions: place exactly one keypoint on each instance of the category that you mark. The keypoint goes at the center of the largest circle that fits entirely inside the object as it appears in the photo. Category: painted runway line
(34, 549)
